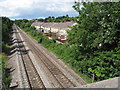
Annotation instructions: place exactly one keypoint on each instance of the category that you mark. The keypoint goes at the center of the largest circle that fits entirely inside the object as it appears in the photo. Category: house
(61, 29)
(46, 27)
(37, 25)
(54, 30)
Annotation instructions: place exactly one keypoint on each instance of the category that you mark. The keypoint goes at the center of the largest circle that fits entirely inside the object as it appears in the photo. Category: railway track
(58, 75)
(33, 77)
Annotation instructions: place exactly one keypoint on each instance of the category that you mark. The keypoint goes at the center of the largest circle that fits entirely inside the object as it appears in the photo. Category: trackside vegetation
(6, 36)
(93, 48)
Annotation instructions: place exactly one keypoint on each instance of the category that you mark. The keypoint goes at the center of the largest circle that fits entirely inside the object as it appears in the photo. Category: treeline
(57, 19)
(6, 32)
(94, 43)
(6, 36)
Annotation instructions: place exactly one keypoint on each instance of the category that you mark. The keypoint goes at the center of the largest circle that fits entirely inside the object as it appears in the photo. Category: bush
(6, 79)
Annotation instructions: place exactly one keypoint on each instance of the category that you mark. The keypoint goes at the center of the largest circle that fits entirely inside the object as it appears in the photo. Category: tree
(102, 26)
(96, 38)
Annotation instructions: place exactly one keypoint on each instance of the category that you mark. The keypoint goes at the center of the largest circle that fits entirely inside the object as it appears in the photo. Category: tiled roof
(61, 25)
(46, 24)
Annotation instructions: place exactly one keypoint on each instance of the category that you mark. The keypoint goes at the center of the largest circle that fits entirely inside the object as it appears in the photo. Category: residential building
(54, 30)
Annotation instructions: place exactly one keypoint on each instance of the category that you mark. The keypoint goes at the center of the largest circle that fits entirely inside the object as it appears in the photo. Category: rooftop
(61, 25)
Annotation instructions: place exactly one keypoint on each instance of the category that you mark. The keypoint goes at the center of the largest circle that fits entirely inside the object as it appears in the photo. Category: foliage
(6, 29)
(6, 33)
(6, 79)
(97, 38)
(6, 36)
(102, 31)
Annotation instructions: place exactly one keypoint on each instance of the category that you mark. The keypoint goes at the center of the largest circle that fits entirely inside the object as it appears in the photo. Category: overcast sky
(30, 9)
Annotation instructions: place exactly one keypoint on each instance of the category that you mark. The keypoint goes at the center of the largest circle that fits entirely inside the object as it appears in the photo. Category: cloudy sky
(18, 9)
